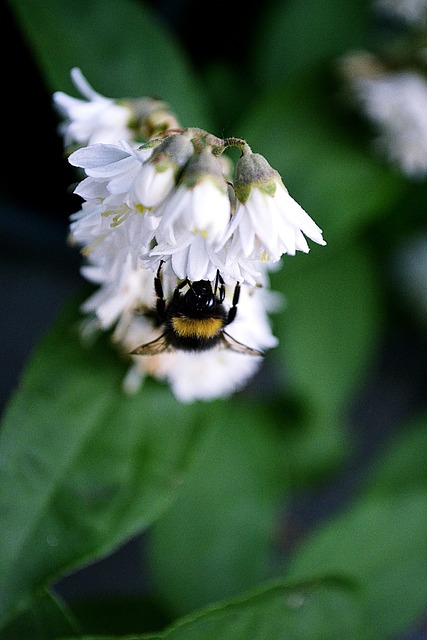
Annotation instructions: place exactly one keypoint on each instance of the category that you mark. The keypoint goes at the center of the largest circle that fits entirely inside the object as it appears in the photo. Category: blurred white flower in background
(397, 105)
(389, 87)
(411, 11)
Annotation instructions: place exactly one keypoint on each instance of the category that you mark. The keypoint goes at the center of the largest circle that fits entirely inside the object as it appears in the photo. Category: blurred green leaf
(122, 48)
(46, 619)
(333, 317)
(328, 333)
(229, 92)
(297, 35)
(217, 540)
(298, 129)
(119, 615)
(315, 610)
(380, 542)
(82, 466)
(402, 466)
(317, 441)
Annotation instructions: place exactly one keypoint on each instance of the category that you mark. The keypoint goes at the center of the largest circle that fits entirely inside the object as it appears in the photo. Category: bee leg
(220, 281)
(233, 309)
(183, 283)
(158, 287)
(177, 292)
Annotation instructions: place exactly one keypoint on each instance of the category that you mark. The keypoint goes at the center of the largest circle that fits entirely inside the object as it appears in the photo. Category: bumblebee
(194, 320)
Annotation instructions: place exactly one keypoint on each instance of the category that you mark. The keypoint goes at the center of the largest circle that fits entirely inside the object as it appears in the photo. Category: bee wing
(159, 345)
(230, 343)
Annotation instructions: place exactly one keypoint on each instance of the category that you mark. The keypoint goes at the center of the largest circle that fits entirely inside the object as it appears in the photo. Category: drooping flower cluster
(390, 87)
(158, 218)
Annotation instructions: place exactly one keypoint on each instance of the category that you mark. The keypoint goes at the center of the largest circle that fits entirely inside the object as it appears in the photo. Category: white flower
(195, 260)
(198, 206)
(211, 375)
(108, 245)
(202, 210)
(122, 185)
(120, 295)
(139, 178)
(161, 171)
(193, 220)
(111, 223)
(95, 119)
(396, 103)
(268, 222)
(267, 226)
(112, 170)
(411, 11)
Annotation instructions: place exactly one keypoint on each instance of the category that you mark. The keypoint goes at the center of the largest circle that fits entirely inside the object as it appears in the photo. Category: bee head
(200, 296)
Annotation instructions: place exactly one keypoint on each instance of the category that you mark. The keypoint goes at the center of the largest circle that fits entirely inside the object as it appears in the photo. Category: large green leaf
(218, 539)
(82, 466)
(123, 49)
(380, 542)
(315, 610)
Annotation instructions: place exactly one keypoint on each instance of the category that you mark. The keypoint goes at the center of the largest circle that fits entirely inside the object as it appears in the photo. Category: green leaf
(382, 544)
(317, 442)
(331, 322)
(298, 35)
(402, 466)
(230, 93)
(46, 619)
(294, 612)
(119, 615)
(381, 541)
(314, 610)
(122, 48)
(217, 540)
(82, 466)
(300, 130)
(328, 333)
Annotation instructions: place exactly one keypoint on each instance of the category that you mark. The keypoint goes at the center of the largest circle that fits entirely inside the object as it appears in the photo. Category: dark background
(39, 272)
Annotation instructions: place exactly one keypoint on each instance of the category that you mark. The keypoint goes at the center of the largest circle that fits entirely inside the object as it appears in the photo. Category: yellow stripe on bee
(197, 328)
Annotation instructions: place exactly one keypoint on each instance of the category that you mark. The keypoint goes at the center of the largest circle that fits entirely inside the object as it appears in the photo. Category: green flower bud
(173, 153)
(253, 170)
(204, 165)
